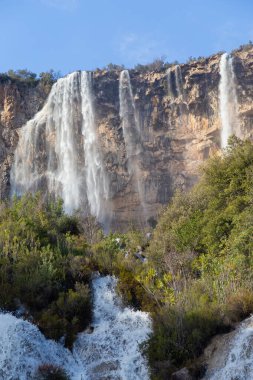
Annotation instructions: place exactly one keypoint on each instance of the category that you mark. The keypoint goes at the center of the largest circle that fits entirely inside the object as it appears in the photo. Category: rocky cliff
(176, 113)
(19, 102)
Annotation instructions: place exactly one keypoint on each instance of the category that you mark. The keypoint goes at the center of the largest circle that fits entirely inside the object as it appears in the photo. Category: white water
(111, 351)
(170, 83)
(228, 100)
(131, 132)
(175, 82)
(23, 348)
(58, 149)
(238, 365)
(96, 180)
(179, 81)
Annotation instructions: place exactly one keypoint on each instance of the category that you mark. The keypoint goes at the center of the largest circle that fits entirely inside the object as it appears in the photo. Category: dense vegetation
(199, 270)
(194, 274)
(28, 78)
(197, 280)
(42, 266)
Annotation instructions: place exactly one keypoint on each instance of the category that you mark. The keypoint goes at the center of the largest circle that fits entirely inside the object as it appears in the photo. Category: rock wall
(178, 130)
(18, 103)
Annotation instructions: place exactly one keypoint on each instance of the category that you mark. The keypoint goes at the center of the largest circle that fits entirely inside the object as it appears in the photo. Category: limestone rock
(182, 374)
(177, 134)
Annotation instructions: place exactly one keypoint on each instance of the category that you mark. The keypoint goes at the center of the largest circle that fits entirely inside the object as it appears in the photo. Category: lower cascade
(23, 349)
(111, 351)
(235, 361)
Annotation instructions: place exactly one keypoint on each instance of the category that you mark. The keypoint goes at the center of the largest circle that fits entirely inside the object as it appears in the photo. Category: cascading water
(131, 132)
(179, 81)
(23, 349)
(175, 82)
(96, 180)
(228, 100)
(58, 149)
(170, 83)
(238, 360)
(111, 351)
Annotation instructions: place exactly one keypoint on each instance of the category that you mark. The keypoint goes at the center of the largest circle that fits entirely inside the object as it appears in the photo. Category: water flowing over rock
(228, 100)
(58, 150)
(171, 134)
(131, 133)
(23, 348)
(96, 179)
(175, 83)
(112, 350)
(232, 358)
(170, 83)
(179, 82)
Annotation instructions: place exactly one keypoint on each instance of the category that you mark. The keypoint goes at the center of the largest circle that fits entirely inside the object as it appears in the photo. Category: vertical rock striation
(135, 136)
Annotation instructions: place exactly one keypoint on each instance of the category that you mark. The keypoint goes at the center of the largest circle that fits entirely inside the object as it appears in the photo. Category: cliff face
(177, 116)
(178, 131)
(18, 103)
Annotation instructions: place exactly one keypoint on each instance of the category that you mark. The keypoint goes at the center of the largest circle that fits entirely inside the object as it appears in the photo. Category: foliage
(114, 67)
(42, 262)
(48, 78)
(197, 279)
(203, 245)
(194, 275)
(157, 64)
(28, 78)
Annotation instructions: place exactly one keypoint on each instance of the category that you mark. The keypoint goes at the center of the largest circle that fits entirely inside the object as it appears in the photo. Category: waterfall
(58, 149)
(228, 100)
(96, 179)
(179, 82)
(175, 82)
(61, 128)
(131, 132)
(23, 349)
(111, 351)
(170, 83)
(237, 360)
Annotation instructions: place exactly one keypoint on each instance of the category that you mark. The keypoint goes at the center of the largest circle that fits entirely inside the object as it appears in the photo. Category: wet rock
(177, 133)
(182, 374)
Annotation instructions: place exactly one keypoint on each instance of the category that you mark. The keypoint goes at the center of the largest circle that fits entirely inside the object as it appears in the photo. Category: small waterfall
(96, 179)
(131, 132)
(23, 349)
(228, 100)
(62, 111)
(58, 150)
(238, 360)
(170, 83)
(179, 82)
(112, 350)
(175, 83)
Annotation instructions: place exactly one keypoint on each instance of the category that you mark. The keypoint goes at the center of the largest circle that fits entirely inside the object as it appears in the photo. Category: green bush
(44, 265)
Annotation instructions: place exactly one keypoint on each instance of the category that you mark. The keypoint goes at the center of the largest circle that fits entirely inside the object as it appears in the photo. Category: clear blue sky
(67, 35)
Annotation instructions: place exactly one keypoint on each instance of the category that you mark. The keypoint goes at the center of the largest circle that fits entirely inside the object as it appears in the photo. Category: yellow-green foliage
(42, 262)
(203, 243)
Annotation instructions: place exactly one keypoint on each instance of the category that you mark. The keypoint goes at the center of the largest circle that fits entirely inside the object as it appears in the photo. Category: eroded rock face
(18, 104)
(178, 129)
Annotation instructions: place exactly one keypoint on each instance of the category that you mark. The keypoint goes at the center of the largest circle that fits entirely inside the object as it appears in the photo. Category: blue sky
(67, 35)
